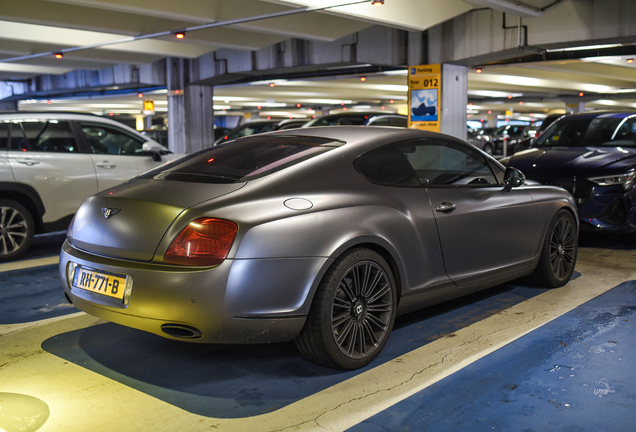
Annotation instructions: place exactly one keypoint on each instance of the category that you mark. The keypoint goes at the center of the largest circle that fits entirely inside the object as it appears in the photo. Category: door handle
(29, 162)
(106, 165)
(445, 207)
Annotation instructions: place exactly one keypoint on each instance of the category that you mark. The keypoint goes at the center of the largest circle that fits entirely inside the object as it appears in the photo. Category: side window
(382, 121)
(104, 139)
(4, 135)
(399, 121)
(564, 133)
(439, 163)
(386, 166)
(44, 136)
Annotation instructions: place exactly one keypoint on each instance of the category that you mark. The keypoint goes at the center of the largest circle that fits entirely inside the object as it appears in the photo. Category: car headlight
(626, 179)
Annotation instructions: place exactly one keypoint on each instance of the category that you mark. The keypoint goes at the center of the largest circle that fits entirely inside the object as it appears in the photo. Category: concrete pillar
(454, 100)
(190, 110)
(199, 117)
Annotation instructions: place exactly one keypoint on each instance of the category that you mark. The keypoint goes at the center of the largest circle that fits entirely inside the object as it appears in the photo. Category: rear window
(244, 159)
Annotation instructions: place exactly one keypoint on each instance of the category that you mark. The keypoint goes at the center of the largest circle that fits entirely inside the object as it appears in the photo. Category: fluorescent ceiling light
(492, 93)
(585, 47)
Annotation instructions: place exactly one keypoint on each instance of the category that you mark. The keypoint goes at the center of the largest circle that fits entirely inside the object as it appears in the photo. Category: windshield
(242, 160)
(594, 132)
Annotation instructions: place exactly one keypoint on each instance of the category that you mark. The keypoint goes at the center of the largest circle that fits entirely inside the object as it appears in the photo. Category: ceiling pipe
(183, 30)
(517, 7)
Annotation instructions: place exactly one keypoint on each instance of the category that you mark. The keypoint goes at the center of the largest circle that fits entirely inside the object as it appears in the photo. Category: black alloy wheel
(558, 255)
(353, 312)
(16, 229)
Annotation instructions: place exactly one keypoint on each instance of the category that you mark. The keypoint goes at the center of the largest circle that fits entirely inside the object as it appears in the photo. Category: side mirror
(513, 178)
(154, 149)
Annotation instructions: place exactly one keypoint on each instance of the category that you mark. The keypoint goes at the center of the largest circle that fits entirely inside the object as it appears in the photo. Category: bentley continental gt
(317, 235)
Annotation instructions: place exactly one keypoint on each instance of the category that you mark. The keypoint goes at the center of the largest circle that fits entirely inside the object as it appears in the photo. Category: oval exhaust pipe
(181, 331)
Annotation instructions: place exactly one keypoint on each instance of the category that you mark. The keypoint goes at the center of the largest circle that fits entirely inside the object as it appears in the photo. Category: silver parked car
(318, 235)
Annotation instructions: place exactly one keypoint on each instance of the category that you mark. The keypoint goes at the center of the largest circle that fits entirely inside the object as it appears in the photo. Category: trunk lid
(129, 221)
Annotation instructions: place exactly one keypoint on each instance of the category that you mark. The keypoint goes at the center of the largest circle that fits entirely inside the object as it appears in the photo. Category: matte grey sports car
(318, 235)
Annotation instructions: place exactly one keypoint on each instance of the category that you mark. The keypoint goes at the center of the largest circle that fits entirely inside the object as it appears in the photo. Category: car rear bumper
(239, 301)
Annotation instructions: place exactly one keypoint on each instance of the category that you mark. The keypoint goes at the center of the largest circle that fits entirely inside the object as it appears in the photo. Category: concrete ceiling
(32, 27)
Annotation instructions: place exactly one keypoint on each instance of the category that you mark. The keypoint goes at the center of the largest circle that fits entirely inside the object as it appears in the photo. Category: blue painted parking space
(32, 294)
(575, 373)
(234, 381)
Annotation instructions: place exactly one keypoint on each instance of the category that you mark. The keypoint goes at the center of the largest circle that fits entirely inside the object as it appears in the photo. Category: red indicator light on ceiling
(520, 103)
(111, 114)
(140, 95)
(298, 105)
(48, 101)
(509, 96)
(179, 35)
(470, 104)
(377, 2)
(581, 94)
(489, 112)
(226, 137)
(58, 55)
(259, 107)
(630, 60)
(212, 160)
(313, 116)
(481, 120)
(272, 85)
(363, 79)
(479, 70)
(342, 103)
(344, 109)
(391, 101)
(382, 107)
(269, 117)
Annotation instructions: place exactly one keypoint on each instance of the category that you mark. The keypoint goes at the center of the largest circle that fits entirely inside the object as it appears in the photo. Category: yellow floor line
(19, 265)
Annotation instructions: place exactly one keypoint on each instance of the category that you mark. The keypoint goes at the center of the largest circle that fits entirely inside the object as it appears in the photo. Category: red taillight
(204, 242)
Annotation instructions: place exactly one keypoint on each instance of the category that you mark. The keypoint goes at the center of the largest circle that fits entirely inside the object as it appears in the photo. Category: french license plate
(101, 283)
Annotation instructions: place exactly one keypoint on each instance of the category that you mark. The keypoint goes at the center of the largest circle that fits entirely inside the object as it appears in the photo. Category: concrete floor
(514, 358)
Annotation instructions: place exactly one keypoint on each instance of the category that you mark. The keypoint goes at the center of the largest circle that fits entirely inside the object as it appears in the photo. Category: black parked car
(529, 139)
(592, 155)
(260, 126)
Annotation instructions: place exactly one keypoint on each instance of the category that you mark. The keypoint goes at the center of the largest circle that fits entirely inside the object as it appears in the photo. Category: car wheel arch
(377, 244)
(28, 197)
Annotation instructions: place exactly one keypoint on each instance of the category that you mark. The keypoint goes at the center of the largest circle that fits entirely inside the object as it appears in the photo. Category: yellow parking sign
(149, 107)
(425, 84)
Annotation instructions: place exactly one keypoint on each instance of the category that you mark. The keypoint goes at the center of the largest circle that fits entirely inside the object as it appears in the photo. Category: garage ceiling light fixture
(183, 31)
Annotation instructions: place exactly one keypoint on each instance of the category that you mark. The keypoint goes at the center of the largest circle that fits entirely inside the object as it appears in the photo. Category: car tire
(488, 149)
(352, 313)
(558, 253)
(16, 229)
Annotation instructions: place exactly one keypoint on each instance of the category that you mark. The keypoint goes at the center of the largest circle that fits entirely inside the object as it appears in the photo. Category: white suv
(50, 162)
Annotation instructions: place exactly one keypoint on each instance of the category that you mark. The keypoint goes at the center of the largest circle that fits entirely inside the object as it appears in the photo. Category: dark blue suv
(592, 155)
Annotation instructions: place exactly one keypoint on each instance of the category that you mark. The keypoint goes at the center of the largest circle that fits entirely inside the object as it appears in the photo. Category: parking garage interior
(514, 357)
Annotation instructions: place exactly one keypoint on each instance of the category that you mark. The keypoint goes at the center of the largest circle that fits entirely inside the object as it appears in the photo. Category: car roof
(600, 114)
(353, 135)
